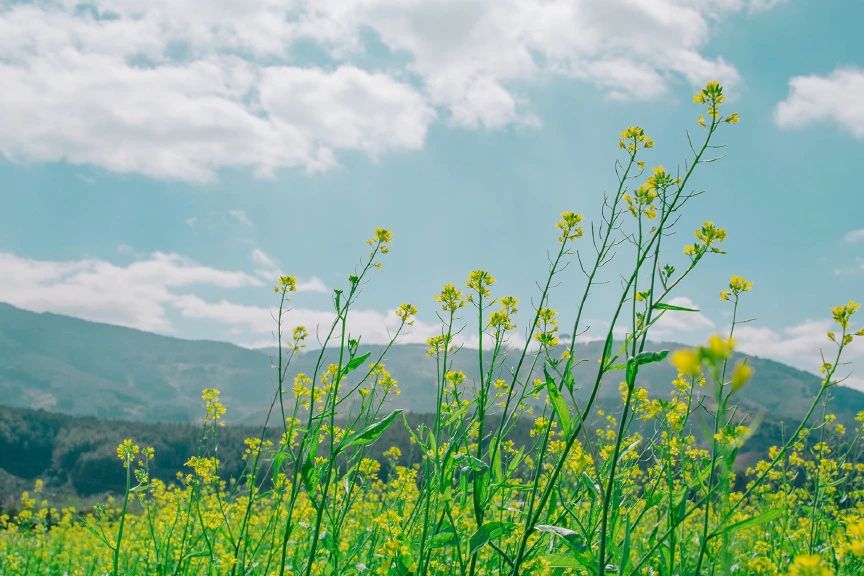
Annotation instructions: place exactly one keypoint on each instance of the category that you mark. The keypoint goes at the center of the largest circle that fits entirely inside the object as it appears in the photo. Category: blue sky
(160, 166)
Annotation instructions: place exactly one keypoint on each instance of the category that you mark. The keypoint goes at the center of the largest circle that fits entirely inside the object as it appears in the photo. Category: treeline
(76, 456)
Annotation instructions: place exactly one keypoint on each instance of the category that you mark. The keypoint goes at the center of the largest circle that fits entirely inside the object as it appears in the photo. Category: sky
(161, 163)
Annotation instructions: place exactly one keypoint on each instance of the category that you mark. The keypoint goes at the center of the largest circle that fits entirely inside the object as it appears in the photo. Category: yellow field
(588, 492)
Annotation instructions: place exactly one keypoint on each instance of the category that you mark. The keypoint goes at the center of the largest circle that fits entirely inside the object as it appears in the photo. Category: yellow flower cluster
(450, 298)
(709, 236)
(406, 313)
(382, 238)
(737, 285)
(479, 281)
(547, 332)
(502, 320)
(569, 224)
(634, 138)
(214, 410)
(126, 451)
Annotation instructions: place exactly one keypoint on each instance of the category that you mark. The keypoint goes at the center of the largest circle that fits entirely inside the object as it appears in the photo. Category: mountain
(71, 366)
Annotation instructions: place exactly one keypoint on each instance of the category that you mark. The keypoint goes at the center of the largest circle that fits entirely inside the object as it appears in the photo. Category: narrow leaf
(489, 532)
(356, 362)
(751, 522)
(650, 357)
(662, 306)
(558, 403)
(370, 433)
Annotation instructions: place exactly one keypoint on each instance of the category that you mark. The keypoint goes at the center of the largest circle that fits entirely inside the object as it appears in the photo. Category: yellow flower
(547, 333)
(502, 319)
(393, 452)
(450, 298)
(369, 467)
(204, 467)
(710, 234)
(569, 226)
(809, 565)
(741, 375)
(844, 312)
(633, 138)
(382, 239)
(406, 313)
(287, 284)
(301, 385)
(479, 281)
(126, 451)
(299, 335)
(719, 347)
(686, 361)
(213, 408)
(738, 284)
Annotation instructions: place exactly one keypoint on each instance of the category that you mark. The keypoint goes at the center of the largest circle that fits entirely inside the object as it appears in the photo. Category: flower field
(654, 487)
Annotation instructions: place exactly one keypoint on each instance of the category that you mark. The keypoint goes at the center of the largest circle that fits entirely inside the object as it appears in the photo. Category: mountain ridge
(83, 368)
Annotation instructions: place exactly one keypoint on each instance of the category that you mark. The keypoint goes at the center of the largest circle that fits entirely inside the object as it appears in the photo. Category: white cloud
(145, 293)
(240, 216)
(800, 346)
(262, 259)
(833, 99)
(313, 284)
(265, 266)
(269, 270)
(179, 89)
(854, 236)
(676, 323)
(137, 295)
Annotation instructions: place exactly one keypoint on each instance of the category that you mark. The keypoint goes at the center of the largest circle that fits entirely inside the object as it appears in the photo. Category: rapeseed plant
(653, 486)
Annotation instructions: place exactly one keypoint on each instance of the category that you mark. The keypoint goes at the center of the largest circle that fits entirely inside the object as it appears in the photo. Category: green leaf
(568, 375)
(515, 461)
(650, 357)
(306, 473)
(442, 539)
(497, 468)
(591, 485)
(558, 403)
(356, 362)
(277, 464)
(489, 532)
(662, 306)
(370, 433)
(607, 348)
(625, 548)
(561, 561)
(471, 462)
(750, 522)
(578, 561)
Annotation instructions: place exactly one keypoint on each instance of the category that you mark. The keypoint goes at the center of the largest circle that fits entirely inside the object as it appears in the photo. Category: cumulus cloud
(136, 295)
(676, 323)
(267, 268)
(854, 236)
(833, 99)
(154, 292)
(799, 345)
(181, 89)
